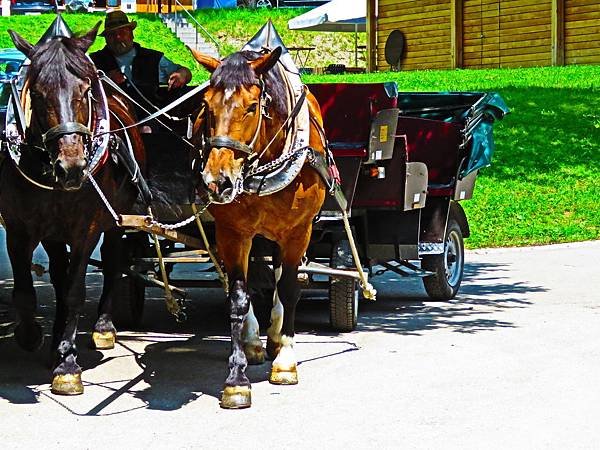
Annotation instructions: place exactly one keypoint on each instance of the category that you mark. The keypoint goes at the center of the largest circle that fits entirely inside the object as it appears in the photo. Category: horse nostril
(212, 187)
(225, 183)
(59, 170)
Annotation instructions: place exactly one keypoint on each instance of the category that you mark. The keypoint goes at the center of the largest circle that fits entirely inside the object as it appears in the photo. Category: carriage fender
(458, 213)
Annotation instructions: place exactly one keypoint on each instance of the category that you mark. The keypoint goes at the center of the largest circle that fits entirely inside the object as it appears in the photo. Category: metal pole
(355, 45)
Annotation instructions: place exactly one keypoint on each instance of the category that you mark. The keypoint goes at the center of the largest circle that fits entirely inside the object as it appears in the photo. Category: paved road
(512, 362)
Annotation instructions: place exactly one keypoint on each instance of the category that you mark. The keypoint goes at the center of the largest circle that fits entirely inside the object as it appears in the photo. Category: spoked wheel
(130, 292)
(447, 267)
(343, 292)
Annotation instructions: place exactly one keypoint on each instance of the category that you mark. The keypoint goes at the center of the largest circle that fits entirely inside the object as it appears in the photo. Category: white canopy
(336, 15)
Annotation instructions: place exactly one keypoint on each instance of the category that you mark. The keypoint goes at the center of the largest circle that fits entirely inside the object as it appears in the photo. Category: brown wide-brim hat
(115, 20)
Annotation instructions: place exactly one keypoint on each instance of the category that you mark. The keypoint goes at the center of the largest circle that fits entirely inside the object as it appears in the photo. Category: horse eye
(252, 108)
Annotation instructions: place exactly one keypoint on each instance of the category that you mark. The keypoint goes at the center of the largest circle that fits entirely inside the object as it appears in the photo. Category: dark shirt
(145, 72)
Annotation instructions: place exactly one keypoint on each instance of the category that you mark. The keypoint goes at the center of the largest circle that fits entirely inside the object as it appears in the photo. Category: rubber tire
(343, 292)
(444, 285)
(130, 293)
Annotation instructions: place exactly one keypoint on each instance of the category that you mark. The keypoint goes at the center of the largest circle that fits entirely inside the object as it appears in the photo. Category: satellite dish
(394, 48)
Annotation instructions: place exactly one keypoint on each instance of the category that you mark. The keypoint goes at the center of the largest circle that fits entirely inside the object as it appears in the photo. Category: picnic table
(301, 55)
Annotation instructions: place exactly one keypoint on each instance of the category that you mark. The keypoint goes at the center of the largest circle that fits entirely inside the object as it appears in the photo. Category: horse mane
(49, 57)
(234, 71)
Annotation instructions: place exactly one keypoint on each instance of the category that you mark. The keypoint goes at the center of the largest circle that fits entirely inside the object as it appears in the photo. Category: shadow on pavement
(402, 308)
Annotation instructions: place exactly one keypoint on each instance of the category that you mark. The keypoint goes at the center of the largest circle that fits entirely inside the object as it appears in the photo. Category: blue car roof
(11, 54)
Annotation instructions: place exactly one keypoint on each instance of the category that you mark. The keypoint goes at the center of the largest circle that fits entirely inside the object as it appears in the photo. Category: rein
(102, 76)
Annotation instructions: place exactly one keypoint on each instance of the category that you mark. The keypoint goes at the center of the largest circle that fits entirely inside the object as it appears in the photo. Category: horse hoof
(273, 349)
(30, 338)
(236, 397)
(283, 376)
(104, 340)
(254, 354)
(67, 384)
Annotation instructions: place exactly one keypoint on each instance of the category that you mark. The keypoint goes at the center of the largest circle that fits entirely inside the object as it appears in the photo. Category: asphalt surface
(512, 362)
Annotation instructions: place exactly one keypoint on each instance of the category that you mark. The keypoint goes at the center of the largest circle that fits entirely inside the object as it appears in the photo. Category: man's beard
(120, 48)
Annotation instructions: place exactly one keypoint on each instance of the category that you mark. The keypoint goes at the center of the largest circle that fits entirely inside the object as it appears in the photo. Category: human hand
(176, 80)
(179, 78)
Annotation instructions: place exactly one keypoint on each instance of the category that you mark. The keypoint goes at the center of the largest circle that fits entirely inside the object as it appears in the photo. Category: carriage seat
(348, 111)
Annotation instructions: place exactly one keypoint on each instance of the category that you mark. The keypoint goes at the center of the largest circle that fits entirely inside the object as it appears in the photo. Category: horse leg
(58, 258)
(283, 370)
(67, 373)
(105, 334)
(253, 348)
(236, 393)
(274, 331)
(28, 332)
(284, 367)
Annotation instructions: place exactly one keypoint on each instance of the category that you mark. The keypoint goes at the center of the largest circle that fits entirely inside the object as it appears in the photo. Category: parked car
(10, 63)
(33, 6)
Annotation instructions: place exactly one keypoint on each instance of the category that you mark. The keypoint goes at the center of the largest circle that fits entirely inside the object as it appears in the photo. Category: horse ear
(208, 62)
(20, 43)
(85, 41)
(266, 62)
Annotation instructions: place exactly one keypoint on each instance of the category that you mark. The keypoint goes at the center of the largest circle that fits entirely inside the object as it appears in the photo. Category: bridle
(210, 142)
(272, 176)
(94, 134)
(62, 129)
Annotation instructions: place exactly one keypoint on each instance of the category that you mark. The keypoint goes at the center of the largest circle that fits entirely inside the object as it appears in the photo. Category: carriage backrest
(348, 111)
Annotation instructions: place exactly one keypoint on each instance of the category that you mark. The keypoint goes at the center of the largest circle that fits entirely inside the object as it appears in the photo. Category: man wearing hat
(132, 66)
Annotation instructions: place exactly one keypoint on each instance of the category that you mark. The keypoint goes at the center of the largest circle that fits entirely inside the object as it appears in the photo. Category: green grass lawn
(544, 182)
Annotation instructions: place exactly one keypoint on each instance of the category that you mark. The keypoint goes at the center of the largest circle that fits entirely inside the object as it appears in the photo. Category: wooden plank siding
(582, 32)
(442, 34)
(426, 28)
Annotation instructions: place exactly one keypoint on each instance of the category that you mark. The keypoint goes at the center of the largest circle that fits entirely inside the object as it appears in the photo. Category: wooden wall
(507, 33)
(426, 29)
(582, 32)
(491, 33)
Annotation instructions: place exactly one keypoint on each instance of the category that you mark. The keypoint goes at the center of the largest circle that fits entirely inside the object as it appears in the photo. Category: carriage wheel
(448, 267)
(343, 292)
(130, 292)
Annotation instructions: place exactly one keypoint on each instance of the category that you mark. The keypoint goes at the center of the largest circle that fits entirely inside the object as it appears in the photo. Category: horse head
(242, 96)
(57, 100)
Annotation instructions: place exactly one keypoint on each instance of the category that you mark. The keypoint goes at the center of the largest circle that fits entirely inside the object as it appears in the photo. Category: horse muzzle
(223, 190)
(70, 165)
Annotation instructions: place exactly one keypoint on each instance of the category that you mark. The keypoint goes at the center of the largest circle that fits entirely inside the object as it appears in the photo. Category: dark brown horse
(48, 197)
(247, 105)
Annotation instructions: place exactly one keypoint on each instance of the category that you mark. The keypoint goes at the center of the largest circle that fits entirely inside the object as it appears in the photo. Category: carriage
(406, 161)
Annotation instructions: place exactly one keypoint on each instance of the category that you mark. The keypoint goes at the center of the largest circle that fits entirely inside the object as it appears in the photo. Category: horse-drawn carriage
(261, 157)
(406, 160)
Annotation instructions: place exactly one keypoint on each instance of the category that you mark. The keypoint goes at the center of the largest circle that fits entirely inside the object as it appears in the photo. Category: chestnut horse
(244, 125)
(47, 196)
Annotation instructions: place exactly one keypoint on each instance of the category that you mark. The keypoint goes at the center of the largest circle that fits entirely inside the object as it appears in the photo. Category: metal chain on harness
(274, 164)
(183, 223)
